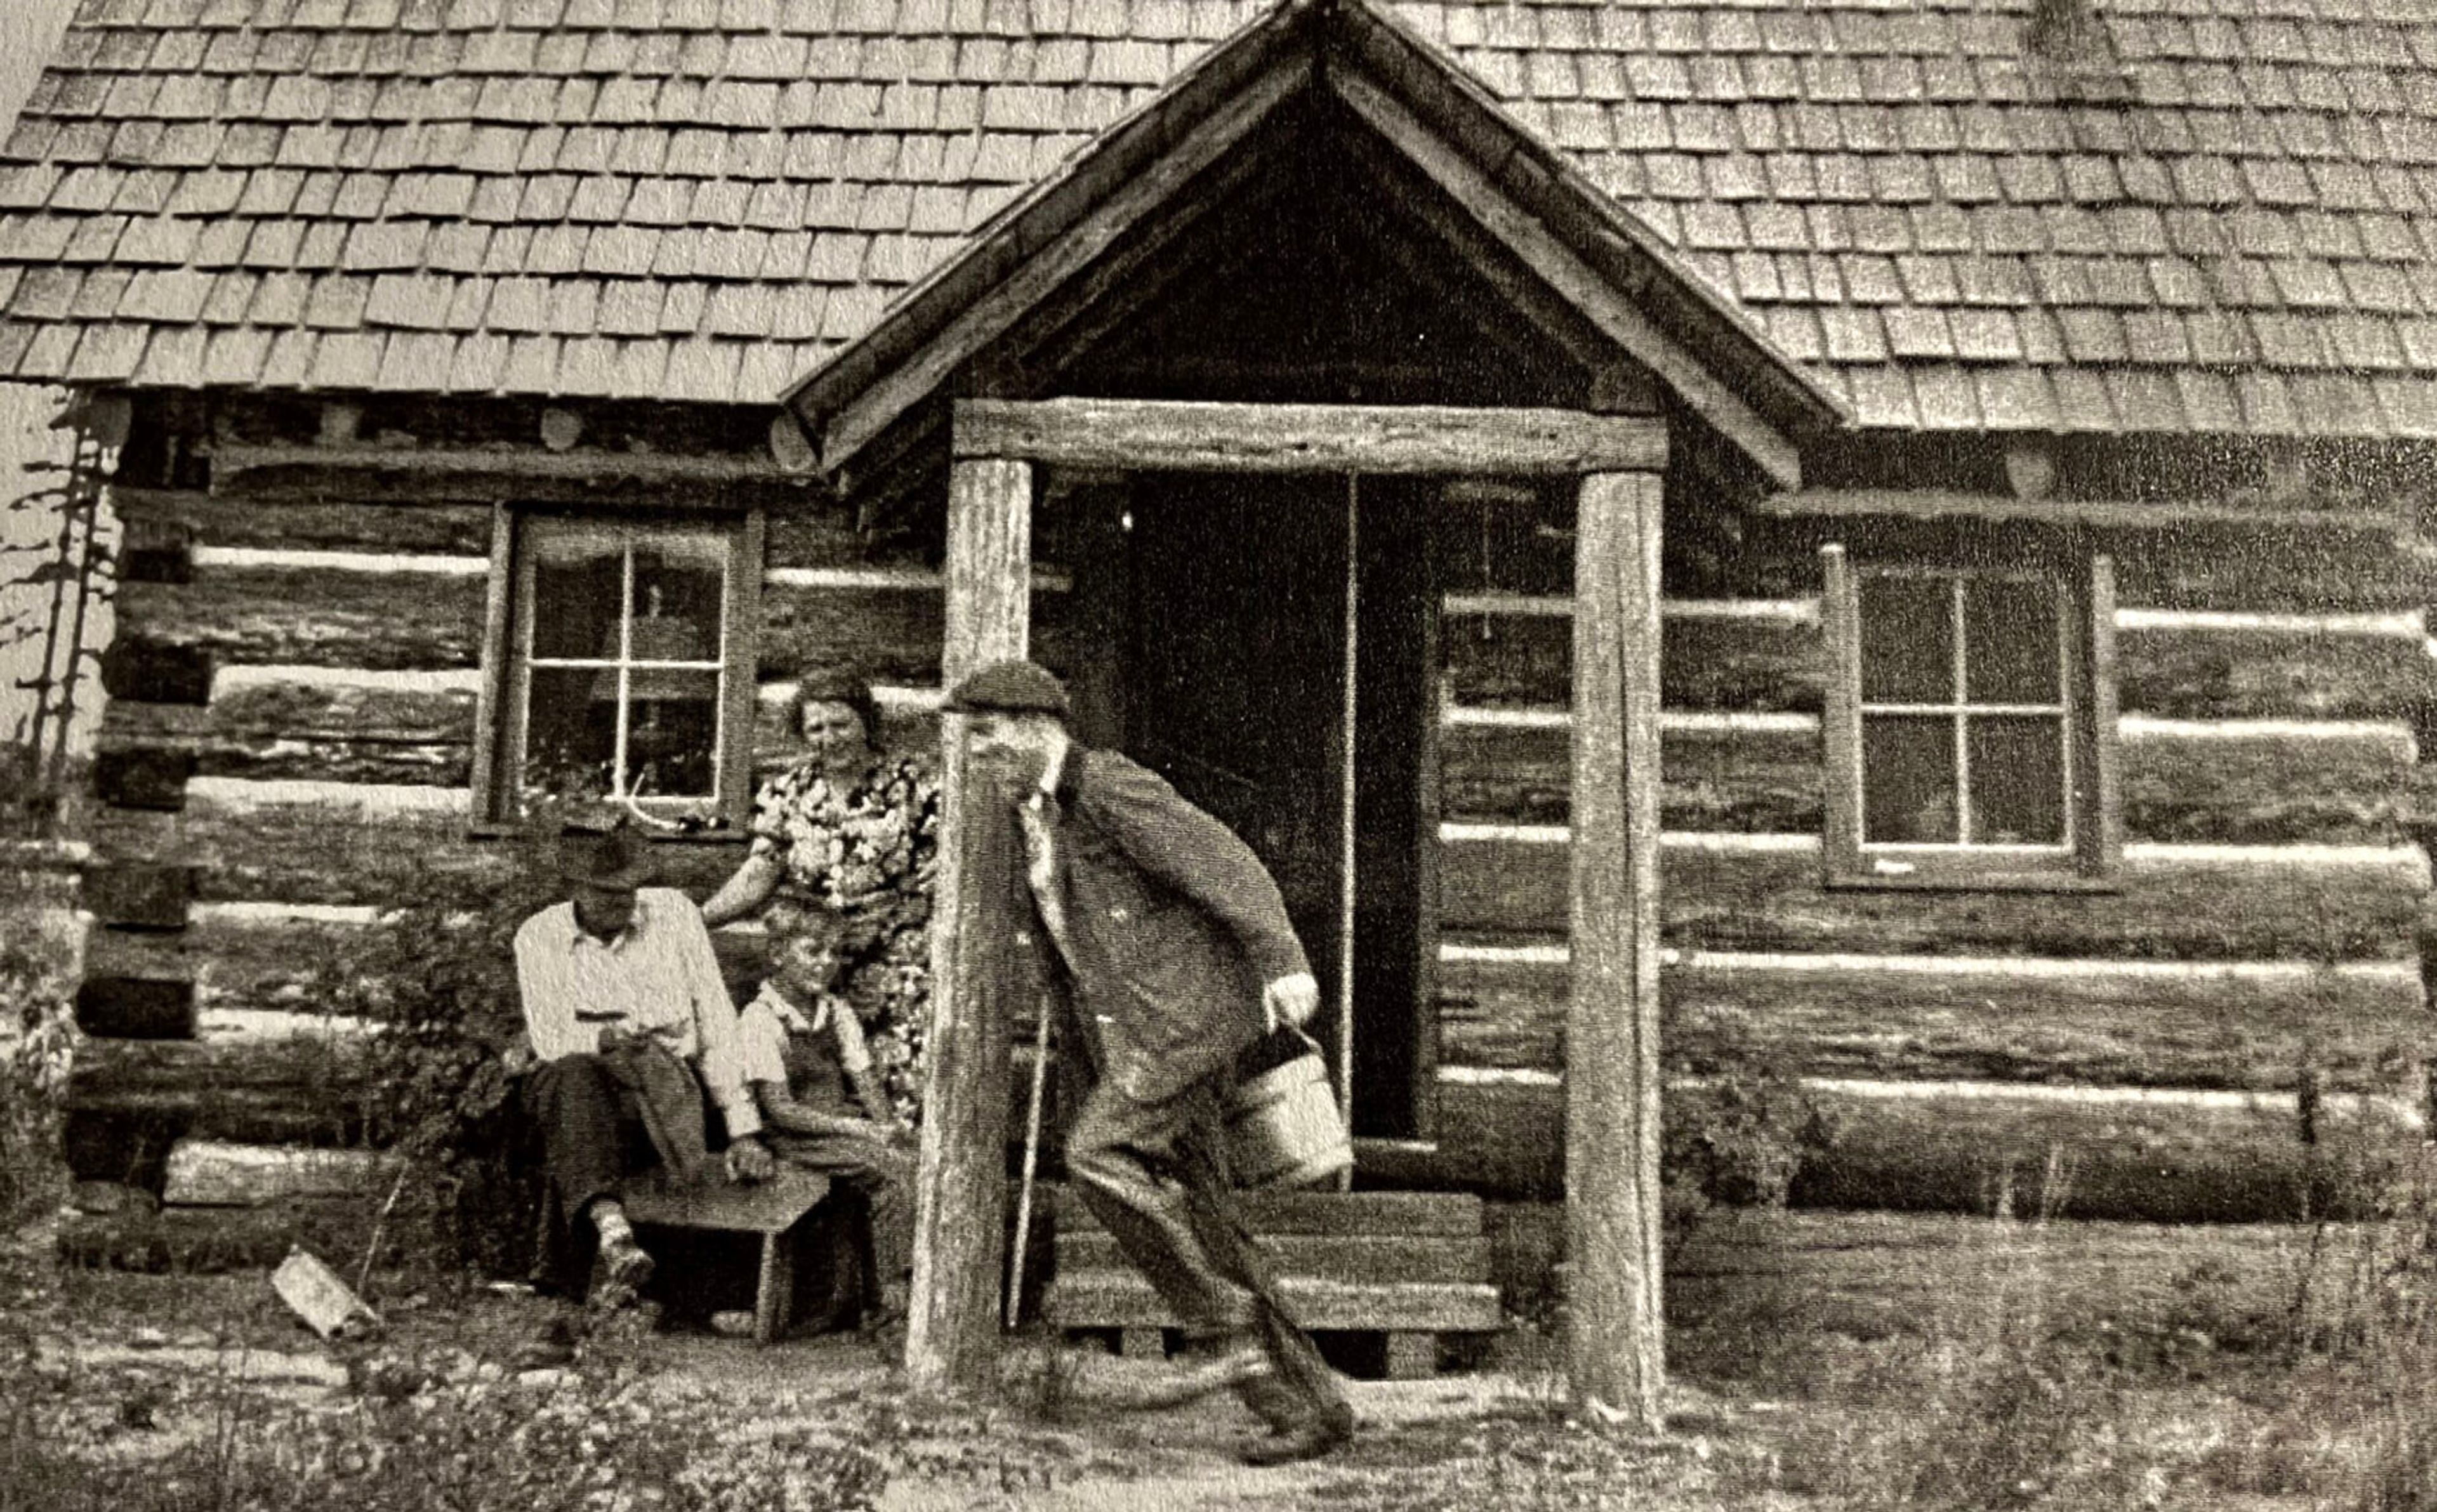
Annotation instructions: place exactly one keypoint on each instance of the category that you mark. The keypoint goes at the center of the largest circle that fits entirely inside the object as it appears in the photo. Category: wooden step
(1121, 1299)
(1366, 1259)
(1352, 1214)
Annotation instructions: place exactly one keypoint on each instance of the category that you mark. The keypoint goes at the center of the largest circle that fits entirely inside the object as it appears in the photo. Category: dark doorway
(1238, 612)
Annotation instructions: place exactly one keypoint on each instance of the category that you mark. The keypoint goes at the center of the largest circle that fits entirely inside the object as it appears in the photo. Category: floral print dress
(861, 863)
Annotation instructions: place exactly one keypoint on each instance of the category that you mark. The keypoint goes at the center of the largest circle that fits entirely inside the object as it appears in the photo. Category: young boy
(797, 1046)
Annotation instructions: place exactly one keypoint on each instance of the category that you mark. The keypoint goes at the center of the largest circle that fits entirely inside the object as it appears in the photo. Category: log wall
(292, 730)
(289, 745)
(2175, 1040)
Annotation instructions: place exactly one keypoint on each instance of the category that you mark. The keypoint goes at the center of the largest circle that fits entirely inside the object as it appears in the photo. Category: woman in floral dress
(845, 845)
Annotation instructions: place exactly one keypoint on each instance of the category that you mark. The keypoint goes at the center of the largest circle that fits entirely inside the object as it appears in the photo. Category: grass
(2297, 1376)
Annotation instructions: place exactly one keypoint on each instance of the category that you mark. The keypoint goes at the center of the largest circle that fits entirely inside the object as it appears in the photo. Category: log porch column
(951, 1340)
(1616, 1343)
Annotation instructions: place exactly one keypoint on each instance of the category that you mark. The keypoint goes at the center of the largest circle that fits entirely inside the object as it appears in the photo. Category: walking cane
(1031, 1163)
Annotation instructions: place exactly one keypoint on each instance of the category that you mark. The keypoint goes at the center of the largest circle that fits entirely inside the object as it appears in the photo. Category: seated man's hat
(1010, 688)
(610, 860)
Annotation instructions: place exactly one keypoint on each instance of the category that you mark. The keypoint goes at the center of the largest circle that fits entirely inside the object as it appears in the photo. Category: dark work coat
(1173, 924)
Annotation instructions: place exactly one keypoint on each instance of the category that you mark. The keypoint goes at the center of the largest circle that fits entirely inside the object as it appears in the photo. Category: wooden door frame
(1616, 1343)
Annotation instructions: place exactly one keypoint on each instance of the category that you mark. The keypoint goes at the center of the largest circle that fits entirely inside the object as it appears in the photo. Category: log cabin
(1887, 541)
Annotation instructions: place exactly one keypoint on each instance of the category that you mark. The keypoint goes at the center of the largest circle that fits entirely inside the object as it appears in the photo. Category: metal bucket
(1283, 1128)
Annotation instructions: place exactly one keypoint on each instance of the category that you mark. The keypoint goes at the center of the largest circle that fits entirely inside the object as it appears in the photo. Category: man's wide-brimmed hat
(611, 860)
(1010, 688)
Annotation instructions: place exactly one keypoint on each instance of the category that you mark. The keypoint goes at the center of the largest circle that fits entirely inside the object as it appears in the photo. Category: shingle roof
(703, 198)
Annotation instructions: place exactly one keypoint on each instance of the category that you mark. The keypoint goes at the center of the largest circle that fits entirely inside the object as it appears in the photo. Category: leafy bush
(1740, 1139)
(436, 974)
(37, 1034)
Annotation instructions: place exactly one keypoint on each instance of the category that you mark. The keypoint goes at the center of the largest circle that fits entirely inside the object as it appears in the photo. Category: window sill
(724, 835)
(1964, 882)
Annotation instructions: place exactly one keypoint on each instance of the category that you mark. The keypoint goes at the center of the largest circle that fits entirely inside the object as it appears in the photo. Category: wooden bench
(1410, 1267)
(774, 1209)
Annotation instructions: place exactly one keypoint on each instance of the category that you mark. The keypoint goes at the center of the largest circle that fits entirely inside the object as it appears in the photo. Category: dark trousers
(593, 1134)
(881, 1175)
(1155, 1176)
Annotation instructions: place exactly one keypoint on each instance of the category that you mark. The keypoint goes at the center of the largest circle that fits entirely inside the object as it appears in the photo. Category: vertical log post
(952, 1337)
(1616, 1343)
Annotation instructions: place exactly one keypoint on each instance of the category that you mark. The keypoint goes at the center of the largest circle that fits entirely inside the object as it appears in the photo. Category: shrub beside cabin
(2021, 414)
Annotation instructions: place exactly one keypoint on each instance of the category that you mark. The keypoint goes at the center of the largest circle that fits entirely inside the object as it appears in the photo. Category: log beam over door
(952, 1341)
(1166, 435)
(1617, 1347)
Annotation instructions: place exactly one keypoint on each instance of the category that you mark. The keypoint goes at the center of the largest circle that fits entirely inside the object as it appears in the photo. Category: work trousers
(1155, 1176)
(593, 1136)
(881, 1175)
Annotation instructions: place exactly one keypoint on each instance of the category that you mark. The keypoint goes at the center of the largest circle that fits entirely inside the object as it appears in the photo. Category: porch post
(952, 1338)
(1616, 1344)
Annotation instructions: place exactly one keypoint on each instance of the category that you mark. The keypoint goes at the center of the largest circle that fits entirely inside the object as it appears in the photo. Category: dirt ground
(1762, 1417)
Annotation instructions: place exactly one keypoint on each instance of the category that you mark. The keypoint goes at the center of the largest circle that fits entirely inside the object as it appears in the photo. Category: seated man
(797, 1042)
(628, 1017)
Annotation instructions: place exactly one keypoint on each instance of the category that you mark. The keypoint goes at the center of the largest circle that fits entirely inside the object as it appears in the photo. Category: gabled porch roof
(1518, 195)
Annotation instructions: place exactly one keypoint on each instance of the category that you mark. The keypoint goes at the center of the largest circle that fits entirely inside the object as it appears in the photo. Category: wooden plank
(348, 843)
(1375, 1259)
(1754, 655)
(1616, 1341)
(218, 1174)
(2253, 1025)
(952, 1332)
(1751, 774)
(2097, 514)
(1764, 892)
(1874, 1273)
(311, 616)
(252, 1077)
(2296, 571)
(2165, 1159)
(1119, 1298)
(1176, 436)
(2322, 782)
(769, 1207)
(460, 529)
(1035, 272)
(1419, 1215)
(424, 475)
(2239, 666)
(2267, 782)
(824, 535)
(888, 631)
(395, 730)
(209, 1241)
(1597, 296)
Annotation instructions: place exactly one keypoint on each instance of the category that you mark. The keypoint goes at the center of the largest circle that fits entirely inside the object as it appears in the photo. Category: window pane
(575, 593)
(1908, 780)
(677, 597)
(672, 733)
(1907, 640)
(2017, 781)
(570, 730)
(2009, 641)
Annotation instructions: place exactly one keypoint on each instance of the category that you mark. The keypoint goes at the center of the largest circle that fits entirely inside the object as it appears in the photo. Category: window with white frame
(1970, 722)
(626, 667)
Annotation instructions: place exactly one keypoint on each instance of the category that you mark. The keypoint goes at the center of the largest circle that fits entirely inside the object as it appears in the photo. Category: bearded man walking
(1169, 953)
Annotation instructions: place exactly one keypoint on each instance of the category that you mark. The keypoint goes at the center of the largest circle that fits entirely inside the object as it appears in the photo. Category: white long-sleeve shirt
(658, 977)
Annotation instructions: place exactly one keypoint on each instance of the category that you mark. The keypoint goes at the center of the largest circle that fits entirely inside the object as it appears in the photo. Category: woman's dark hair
(835, 685)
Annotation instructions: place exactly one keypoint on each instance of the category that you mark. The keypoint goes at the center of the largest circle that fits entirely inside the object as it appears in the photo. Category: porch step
(1121, 1299)
(1406, 1267)
(1365, 1214)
